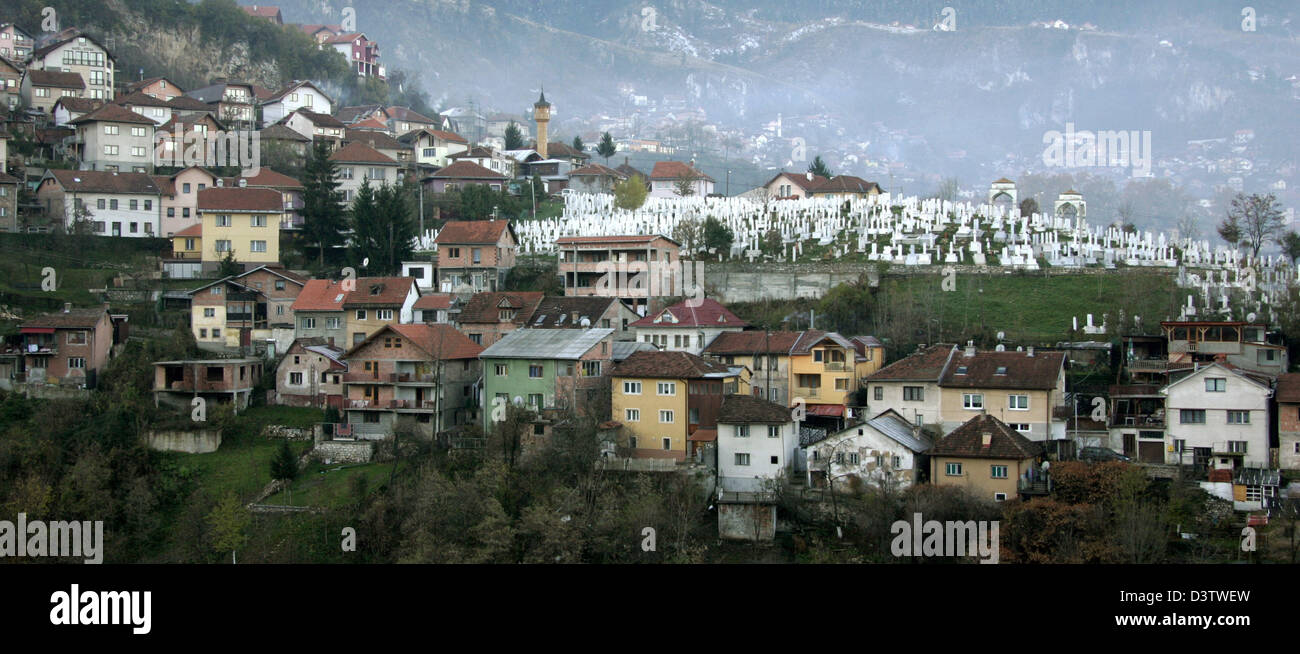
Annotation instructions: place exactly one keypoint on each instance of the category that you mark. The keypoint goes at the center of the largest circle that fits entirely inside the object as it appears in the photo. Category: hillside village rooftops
(1288, 388)
(111, 113)
(381, 292)
(467, 170)
(356, 152)
(926, 365)
(438, 342)
(256, 200)
(708, 313)
(606, 240)
(672, 170)
(671, 365)
(752, 342)
(102, 181)
(471, 232)
(561, 344)
(192, 230)
(559, 312)
(1014, 370)
(486, 307)
(71, 319)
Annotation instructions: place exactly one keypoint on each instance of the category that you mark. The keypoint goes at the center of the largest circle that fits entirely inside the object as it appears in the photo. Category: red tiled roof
(112, 113)
(467, 170)
(595, 170)
(1288, 387)
(709, 313)
(379, 292)
(320, 295)
(738, 409)
(704, 435)
(660, 364)
(752, 342)
(926, 365)
(56, 79)
(471, 232)
(100, 181)
(192, 230)
(140, 98)
(634, 238)
(265, 178)
(261, 11)
(846, 184)
(322, 120)
(968, 441)
(485, 307)
(74, 319)
(664, 170)
(802, 181)
(361, 153)
(370, 124)
(1019, 370)
(434, 301)
(240, 199)
(442, 342)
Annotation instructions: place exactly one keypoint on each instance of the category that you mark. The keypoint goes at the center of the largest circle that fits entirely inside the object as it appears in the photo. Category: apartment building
(243, 222)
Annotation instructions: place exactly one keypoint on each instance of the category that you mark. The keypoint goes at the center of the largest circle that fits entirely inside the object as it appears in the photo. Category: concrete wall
(747, 521)
(195, 441)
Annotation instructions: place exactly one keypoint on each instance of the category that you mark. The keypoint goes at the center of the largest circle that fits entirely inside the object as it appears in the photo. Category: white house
(295, 96)
(114, 138)
(757, 441)
(666, 176)
(910, 386)
(686, 328)
(433, 147)
(116, 204)
(886, 449)
(1218, 416)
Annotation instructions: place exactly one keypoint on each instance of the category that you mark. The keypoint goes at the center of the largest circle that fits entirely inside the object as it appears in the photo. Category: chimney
(809, 175)
(67, 307)
(986, 439)
(1029, 352)
(970, 348)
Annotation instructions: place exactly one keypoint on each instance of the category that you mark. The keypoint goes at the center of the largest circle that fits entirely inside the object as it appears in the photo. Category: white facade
(83, 56)
(667, 188)
(681, 339)
(909, 399)
(750, 454)
(868, 453)
(304, 97)
(120, 214)
(1219, 409)
(113, 146)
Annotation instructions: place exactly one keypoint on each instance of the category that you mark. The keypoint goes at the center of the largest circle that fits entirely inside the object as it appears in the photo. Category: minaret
(542, 114)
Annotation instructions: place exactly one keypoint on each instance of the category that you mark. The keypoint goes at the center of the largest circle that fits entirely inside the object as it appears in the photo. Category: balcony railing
(1153, 365)
(808, 391)
(1138, 420)
(837, 366)
(364, 378)
(412, 378)
(193, 256)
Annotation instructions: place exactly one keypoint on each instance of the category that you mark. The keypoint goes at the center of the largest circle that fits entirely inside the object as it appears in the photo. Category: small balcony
(193, 255)
(365, 378)
(810, 392)
(1156, 420)
(412, 378)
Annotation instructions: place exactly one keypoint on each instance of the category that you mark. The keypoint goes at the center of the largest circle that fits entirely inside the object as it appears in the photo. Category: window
(953, 469)
(384, 314)
(209, 312)
(972, 400)
(591, 368)
(333, 323)
(1215, 384)
(295, 379)
(1191, 416)
(222, 245)
(1237, 447)
(632, 415)
(854, 458)
(223, 220)
(665, 416)
(913, 393)
(477, 255)
(110, 150)
(631, 388)
(667, 388)
(137, 131)
(773, 431)
(361, 314)
(999, 497)
(257, 246)
(1238, 417)
(841, 384)
(742, 431)
(76, 338)
(534, 371)
(1265, 356)
(257, 221)
(742, 458)
(1018, 402)
(137, 151)
(1022, 427)
(668, 444)
(535, 400)
(817, 355)
(453, 253)
(309, 323)
(880, 393)
(112, 130)
(998, 472)
(502, 370)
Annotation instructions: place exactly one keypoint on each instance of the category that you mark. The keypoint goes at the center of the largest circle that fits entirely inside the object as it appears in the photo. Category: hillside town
(465, 284)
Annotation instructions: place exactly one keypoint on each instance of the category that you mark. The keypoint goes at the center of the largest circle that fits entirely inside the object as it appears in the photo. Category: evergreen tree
(578, 144)
(606, 147)
(514, 137)
(819, 167)
(284, 466)
(718, 236)
(382, 228)
(322, 212)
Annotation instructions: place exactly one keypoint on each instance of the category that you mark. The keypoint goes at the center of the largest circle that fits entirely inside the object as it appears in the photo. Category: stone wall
(291, 433)
(190, 441)
(738, 521)
(331, 452)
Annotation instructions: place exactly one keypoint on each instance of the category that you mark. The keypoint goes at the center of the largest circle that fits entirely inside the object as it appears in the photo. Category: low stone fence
(189, 441)
(291, 433)
(331, 452)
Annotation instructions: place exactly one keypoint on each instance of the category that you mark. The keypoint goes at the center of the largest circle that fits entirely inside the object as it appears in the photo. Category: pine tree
(819, 167)
(284, 467)
(322, 212)
(514, 137)
(578, 144)
(606, 147)
(382, 228)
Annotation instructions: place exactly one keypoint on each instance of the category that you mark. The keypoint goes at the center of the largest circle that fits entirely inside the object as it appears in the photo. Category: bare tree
(1256, 219)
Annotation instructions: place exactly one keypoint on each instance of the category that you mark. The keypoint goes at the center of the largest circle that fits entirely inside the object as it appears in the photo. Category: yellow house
(245, 221)
(987, 456)
(668, 402)
(188, 243)
(1019, 388)
(377, 302)
(826, 369)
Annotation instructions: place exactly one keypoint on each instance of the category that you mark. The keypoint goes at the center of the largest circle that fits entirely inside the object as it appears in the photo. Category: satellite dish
(519, 401)
(1002, 335)
(1000, 348)
(1250, 317)
(365, 262)
(586, 322)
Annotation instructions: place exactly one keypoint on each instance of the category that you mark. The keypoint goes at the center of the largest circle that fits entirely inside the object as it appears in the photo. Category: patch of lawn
(331, 486)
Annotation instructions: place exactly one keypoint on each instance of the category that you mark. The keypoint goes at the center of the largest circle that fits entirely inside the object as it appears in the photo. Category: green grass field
(331, 486)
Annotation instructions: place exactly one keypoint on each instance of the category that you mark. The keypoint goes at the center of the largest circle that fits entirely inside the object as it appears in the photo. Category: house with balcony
(361, 53)
(688, 326)
(423, 378)
(186, 258)
(632, 268)
(244, 222)
(244, 309)
(65, 348)
(887, 451)
(72, 51)
(115, 203)
(294, 96)
(432, 147)
(1022, 389)
(546, 371)
(15, 43)
(1241, 344)
(584, 313)
(487, 317)
(826, 370)
(1218, 418)
(358, 162)
(766, 353)
(910, 386)
(315, 126)
(475, 256)
(668, 403)
(311, 374)
(217, 381)
(114, 139)
(233, 103)
(989, 457)
(41, 89)
(318, 311)
(378, 302)
(1137, 422)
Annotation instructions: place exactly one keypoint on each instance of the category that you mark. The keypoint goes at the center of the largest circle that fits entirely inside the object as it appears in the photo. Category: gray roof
(624, 349)
(894, 427)
(563, 344)
(332, 353)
